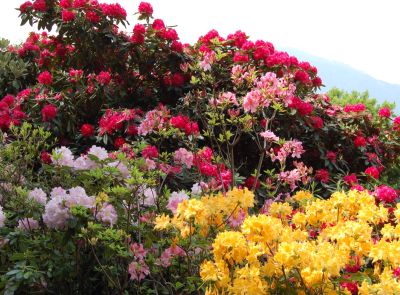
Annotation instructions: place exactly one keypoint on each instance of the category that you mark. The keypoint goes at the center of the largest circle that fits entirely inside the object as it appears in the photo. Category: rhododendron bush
(133, 163)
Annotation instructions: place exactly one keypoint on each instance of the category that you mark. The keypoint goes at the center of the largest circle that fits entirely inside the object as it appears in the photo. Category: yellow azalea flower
(301, 196)
(208, 271)
(162, 222)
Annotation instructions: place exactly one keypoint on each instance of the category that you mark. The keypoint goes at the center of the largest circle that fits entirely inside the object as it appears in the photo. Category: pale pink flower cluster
(148, 196)
(269, 136)
(292, 177)
(225, 98)
(175, 199)
(107, 214)
(197, 189)
(253, 100)
(236, 219)
(184, 157)
(268, 88)
(293, 148)
(138, 269)
(239, 74)
(38, 195)
(168, 254)
(57, 210)
(154, 120)
(62, 157)
(28, 224)
(2, 217)
(208, 60)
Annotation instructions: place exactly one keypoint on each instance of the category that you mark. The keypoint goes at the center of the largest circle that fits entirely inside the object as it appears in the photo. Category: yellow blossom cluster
(210, 211)
(276, 253)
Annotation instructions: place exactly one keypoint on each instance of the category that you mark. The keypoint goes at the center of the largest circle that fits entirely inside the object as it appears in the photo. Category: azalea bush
(129, 158)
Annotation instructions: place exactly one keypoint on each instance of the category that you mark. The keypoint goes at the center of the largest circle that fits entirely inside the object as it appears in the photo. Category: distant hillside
(336, 74)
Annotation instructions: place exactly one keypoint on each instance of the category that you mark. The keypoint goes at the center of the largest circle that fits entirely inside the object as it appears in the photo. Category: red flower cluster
(45, 78)
(354, 108)
(145, 9)
(113, 10)
(49, 112)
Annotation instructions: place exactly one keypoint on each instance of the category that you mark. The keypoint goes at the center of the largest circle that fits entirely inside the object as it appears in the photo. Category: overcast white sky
(361, 33)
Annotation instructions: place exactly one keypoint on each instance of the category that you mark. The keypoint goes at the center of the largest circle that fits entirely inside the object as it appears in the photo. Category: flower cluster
(312, 248)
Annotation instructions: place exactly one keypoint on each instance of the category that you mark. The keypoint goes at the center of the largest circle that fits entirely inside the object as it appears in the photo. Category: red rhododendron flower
(145, 8)
(331, 156)
(132, 130)
(169, 34)
(65, 4)
(396, 124)
(87, 130)
(119, 141)
(386, 194)
(192, 128)
(302, 77)
(158, 25)
(350, 179)
(304, 108)
(322, 175)
(177, 80)
(8, 99)
(113, 10)
(249, 183)
(317, 82)
(352, 287)
(45, 78)
(360, 141)
(40, 5)
(92, 17)
(150, 152)
(25, 6)
(177, 46)
(67, 15)
(103, 78)
(179, 121)
(240, 58)
(384, 112)
(373, 172)
(49, 112)
(45, 157)
(356, 108)
(139, 29)
(317, 122)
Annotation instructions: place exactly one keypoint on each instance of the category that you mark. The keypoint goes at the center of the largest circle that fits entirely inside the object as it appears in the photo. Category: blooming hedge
(130, 161)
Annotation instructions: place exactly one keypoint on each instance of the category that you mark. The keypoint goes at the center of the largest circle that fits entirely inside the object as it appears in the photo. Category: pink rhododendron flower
(107, 214)
(169, 253)
(236, 219)
(138, 251)
(2, 217)
(38, 195)
(269, 136)
(28, 224)
(184, 157)
(175, 199)
(252, 101)
(138, 270)
(63, 157)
